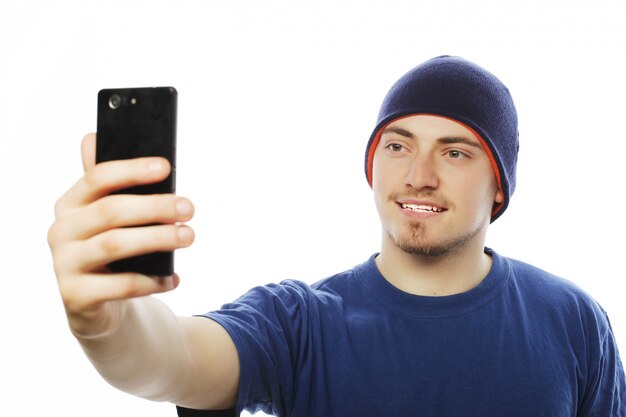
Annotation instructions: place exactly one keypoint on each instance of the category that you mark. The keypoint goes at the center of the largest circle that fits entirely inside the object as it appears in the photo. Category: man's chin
(425, 250)
(420, 245)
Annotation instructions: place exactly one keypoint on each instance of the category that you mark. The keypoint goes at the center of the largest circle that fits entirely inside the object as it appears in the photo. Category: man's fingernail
(185, 234)
(184, 207)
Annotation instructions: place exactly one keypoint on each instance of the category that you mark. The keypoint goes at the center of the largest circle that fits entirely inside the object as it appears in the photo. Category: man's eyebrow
(398, 131)
(447, 140)
(460, 139)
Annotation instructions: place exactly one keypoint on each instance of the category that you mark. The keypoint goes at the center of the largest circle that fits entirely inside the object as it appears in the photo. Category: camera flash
(133, 100)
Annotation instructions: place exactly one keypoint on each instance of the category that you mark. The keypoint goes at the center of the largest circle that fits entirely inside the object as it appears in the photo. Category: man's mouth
(421, 208)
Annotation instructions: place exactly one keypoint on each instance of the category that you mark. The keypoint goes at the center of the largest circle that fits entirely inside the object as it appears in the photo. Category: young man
(434, 325)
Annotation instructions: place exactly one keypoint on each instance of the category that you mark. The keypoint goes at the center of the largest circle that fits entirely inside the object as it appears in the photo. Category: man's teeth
(420, 207)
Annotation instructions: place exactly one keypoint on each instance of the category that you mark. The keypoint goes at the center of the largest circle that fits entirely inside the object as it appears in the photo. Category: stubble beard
(414, 243)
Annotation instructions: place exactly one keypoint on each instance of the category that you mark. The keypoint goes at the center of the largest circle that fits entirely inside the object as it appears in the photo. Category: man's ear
(499, 197)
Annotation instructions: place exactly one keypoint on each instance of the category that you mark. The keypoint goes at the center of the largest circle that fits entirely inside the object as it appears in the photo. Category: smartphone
(132, 123)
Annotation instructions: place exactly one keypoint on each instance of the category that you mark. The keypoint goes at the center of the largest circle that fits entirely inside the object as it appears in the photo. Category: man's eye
(395, 147)
(455, 154)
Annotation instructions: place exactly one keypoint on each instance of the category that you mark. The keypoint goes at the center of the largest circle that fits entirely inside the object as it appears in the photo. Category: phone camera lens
(115, 101)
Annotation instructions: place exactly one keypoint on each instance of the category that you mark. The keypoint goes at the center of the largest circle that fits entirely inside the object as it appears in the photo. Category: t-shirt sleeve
(189, 412)
(268, 327)
(606, 384)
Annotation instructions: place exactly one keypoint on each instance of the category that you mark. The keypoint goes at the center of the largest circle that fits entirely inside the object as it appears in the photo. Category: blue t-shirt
(522, 343)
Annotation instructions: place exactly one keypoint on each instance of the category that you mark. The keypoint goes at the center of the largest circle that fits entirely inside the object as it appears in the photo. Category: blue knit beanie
(455, 88)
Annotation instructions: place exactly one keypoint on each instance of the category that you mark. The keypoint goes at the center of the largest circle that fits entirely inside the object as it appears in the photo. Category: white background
(276, 103)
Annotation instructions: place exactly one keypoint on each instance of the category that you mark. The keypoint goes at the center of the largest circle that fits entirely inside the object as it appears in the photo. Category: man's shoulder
(300, 291)
(551, 289)
(536, 276)
(347, 279)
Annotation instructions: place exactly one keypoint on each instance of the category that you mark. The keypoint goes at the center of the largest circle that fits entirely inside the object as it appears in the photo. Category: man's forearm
(144, 356)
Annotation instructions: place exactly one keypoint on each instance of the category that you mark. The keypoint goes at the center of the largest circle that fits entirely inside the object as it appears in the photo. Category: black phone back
(132, 123)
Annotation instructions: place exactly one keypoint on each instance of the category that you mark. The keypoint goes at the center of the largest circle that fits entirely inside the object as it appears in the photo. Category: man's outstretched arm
(133, 340)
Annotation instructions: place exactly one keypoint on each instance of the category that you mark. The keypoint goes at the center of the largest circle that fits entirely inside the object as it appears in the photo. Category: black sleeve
(188, 412)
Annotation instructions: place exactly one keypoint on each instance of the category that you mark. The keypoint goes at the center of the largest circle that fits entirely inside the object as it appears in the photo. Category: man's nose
(422, 173)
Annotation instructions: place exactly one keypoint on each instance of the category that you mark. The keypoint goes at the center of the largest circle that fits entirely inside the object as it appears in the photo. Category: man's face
(433, 184)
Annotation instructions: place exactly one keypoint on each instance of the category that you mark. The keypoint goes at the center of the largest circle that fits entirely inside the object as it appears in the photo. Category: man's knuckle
(71, 295)
(59, 268)
(59, 207)
(111, 244)
(106, 211)
(161, 236)
(58, 231)
(132, 288)
(93, 178)
(53, 234)
(64, 261)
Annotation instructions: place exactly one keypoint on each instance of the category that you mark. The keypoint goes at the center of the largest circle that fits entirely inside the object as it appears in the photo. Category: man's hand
(90, 230)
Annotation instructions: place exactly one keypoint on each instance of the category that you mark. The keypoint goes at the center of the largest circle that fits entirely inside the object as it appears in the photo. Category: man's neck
(452, 273)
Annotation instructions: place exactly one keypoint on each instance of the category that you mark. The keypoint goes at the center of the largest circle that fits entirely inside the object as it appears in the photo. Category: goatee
(413, 242)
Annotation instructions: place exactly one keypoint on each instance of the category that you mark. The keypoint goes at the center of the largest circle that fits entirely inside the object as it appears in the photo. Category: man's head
(457, 89)
(434, 186)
